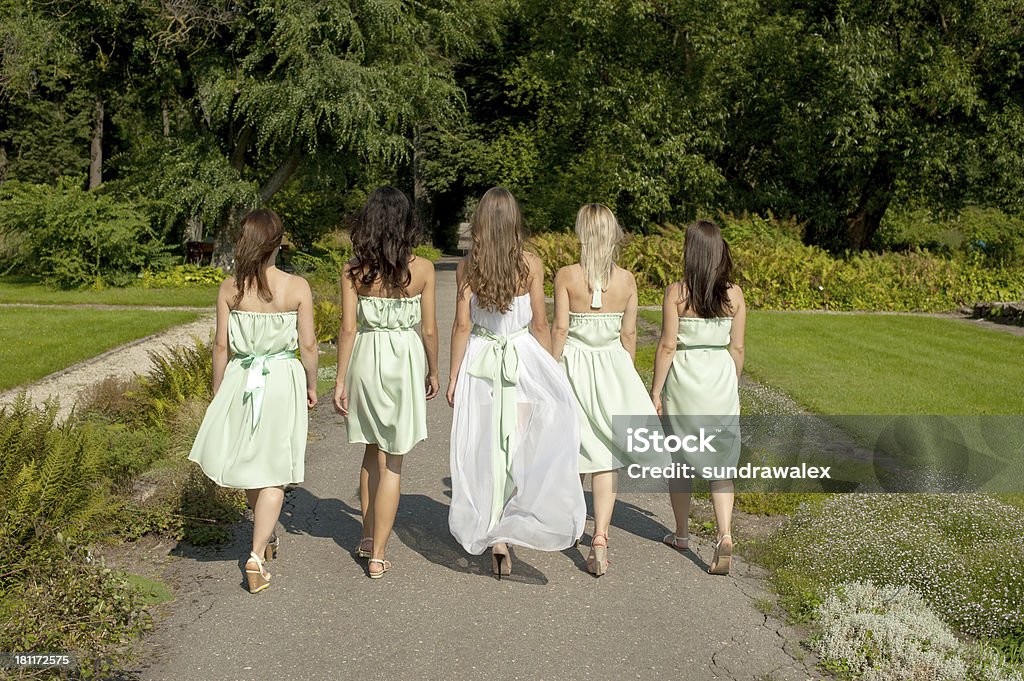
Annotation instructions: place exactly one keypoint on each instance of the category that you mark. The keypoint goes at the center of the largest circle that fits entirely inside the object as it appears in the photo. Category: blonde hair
(496, 268)
(600, 235)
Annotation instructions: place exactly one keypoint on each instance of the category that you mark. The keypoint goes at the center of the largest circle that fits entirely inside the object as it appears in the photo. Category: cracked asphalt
(439, 614)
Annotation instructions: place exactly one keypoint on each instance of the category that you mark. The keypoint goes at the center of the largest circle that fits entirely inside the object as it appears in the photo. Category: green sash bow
(498, 364)
(258, 366)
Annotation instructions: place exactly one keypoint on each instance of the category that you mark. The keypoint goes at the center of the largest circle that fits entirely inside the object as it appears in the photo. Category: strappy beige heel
(722, 562)
(273, 546)
(259, 579)
(384, 564)
(365, 548)
(597, 561)
(674, 541)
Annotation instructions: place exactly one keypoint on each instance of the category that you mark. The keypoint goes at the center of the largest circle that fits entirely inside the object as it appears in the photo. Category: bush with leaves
(942, 545)
(777, 271)
(183, 276)
(873, 633)
(74, 238)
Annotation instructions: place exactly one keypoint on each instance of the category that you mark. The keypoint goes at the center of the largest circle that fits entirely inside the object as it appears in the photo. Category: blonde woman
(515, 435)
(696, 372)
(595, 337)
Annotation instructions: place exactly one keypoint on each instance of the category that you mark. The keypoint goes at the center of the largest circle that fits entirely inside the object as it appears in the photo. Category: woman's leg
(267, 503)
(679, 493)
(385, 502)
(603, 486)
(722, 495)
(369, 477)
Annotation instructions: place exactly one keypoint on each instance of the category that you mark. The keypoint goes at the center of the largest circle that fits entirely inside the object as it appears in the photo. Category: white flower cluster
(327, 373)
(962, 552)
(877, 633)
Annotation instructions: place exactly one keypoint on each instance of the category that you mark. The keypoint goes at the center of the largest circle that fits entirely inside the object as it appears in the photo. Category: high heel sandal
(722, 561)
(597, 561)
(384, 564)
(674, 541)
(501, 563)
(365, 547)
(273, 546)
(258, 579)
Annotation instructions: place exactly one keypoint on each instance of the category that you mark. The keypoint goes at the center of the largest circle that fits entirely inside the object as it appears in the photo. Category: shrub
(179, 374)
(64, 603)
(51, 475)
(875, 633)
(183, 276)
(72, 237)
(961, 552)
(987, 234)
(779, 272)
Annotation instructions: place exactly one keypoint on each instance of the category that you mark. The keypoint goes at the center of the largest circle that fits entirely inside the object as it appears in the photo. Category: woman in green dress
(696, 372)
(594, 335)
(386, 371)
(253, 435)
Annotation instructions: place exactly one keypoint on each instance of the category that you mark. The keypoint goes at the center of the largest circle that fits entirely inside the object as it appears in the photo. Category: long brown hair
(384, 233)
(496, 268)
(707, 270)
(260, 236)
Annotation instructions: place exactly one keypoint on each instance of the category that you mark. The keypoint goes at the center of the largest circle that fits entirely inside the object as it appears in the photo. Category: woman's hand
(311, 397)
(433, 387)
(656, 400)
(340, 399)
(451, 391)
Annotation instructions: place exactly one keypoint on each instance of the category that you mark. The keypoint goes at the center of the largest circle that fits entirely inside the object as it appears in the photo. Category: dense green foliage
(834, 114)
(778, 271)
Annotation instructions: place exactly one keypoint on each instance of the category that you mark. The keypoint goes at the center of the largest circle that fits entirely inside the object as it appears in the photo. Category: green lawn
(15, 289)
(39, 341)
(884, 364)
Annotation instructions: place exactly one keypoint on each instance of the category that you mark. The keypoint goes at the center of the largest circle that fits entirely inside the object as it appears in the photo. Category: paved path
(439, 614)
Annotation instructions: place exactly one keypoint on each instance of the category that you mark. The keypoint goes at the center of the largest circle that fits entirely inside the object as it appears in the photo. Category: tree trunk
(280, 176)
(241, 145)
(875, 196)
(419, 188)
(96, 149)
(224, 239)
(3, 164)
(166, 115)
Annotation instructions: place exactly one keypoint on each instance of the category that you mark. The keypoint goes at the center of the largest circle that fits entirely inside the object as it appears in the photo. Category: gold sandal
(597, 561)
(364, 552)
(385, 565)
(722, 562)
(259, 579)
(674, 541)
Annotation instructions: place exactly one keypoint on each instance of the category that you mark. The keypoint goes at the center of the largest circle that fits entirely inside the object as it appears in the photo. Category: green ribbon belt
(498, 364)
(680, 346)
(258, 366)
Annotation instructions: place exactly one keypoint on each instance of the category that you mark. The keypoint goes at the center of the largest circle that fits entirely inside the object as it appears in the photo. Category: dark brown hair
(496, 268)
(706, 271)
(384, 233)
(260, 236)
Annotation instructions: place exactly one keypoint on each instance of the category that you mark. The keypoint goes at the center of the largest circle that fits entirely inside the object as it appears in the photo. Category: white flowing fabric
(534, 498)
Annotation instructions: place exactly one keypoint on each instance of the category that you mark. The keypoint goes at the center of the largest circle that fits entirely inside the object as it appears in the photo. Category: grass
(17, 289)
(884, 364)
(39, 341)
(153, 591)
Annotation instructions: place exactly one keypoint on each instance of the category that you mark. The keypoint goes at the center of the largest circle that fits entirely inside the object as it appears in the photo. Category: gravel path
(123, 361)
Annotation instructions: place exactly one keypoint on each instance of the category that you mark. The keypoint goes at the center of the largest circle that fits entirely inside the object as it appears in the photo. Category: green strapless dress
(254, 431)
(606, 385)
(385, 381)
(701, 389)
